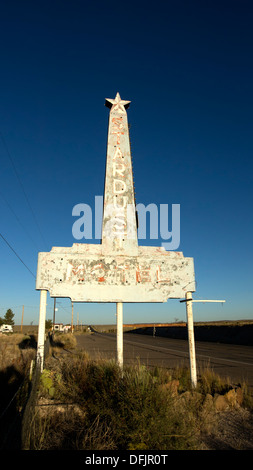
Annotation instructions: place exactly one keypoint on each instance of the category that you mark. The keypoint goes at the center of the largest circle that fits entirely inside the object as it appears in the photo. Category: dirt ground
(234, 431)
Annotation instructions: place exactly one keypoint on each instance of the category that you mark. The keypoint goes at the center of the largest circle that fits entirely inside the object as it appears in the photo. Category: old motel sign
(117, 270)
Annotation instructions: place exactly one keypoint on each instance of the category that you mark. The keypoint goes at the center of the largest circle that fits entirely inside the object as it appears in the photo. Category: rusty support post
(120, 334)
(191, 340)
(41, 330)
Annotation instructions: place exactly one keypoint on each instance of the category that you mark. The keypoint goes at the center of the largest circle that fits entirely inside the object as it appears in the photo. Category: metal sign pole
(120, 333)
(189, 300)
(191, 341)
(41, 330)
(204, 301)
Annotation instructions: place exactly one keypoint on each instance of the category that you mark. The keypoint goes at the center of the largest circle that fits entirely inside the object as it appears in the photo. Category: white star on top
(117, 104)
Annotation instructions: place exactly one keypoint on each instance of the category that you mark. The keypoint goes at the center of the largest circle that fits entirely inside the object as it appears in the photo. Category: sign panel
(84, 274)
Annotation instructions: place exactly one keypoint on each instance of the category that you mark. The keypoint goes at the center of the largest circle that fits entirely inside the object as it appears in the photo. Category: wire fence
(29, 409)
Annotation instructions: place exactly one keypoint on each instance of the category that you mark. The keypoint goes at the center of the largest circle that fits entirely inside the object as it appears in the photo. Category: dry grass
(91, 405)
(15, 361)
(13, 352)
(68, 340)
(113, 411)
(95, 406)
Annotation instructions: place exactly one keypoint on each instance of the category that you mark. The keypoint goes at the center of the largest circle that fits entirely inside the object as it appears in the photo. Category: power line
(22, 187)
(17, 255)
(18, 219)
(59, 303)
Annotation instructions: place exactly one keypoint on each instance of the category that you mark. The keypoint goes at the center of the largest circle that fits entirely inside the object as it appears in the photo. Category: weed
(91, 405)
(130, 410)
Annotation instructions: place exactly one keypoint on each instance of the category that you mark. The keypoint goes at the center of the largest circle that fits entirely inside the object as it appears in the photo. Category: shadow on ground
(10, 418)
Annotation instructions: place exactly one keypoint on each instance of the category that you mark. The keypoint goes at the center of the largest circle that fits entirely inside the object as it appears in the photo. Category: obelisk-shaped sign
(117, 270)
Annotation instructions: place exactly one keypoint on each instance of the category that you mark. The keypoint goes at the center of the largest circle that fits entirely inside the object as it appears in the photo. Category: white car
(6, 329)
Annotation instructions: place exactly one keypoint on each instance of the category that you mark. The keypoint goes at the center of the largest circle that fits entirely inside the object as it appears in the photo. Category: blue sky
(187, 68)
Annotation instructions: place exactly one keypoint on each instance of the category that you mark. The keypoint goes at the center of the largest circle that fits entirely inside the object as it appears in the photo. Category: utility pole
(54, 314)
(22, 319)
(72, 319)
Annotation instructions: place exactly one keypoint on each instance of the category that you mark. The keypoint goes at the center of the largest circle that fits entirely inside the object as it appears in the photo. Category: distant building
(6, 329)
(62, 328)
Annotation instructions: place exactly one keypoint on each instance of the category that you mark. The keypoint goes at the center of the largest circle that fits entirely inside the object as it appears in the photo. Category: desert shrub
(68, 431)
(132, 409)
(66, 340)
(149, 413)
(210, 382)
(15, 365)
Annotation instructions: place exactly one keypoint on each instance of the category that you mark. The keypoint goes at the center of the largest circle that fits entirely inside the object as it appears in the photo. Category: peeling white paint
(117, 270)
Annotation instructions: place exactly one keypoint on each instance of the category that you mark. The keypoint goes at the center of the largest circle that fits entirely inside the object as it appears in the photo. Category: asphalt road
(227, 360)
